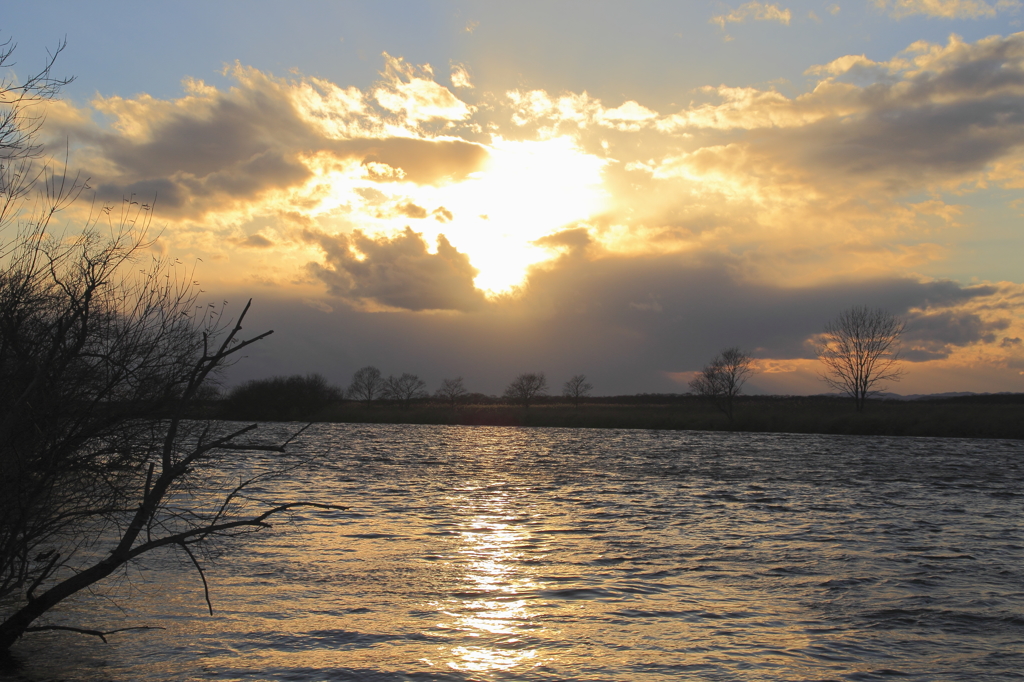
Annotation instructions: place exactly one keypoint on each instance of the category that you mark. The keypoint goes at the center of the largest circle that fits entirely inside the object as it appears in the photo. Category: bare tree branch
(94, 633)
(202, 575)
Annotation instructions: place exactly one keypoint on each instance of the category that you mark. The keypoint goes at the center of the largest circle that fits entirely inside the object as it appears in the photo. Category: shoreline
(968, 417)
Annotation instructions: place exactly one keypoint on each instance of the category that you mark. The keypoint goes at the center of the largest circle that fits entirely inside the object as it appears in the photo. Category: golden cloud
(758, 11)
(947, 9)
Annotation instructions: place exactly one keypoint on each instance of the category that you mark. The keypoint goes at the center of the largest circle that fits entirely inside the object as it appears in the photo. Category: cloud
(579, 110)
(414, 93)
(265, 140)
(396, 272)
(460, 76)
(947, 9)
(411, 210)
(933, 335)
(575, 240)
(934, 114)
(206, 150)
(256, 241)
(627, 116)
(424, 162)
(758, 11)
(705, 303)
(631, 322)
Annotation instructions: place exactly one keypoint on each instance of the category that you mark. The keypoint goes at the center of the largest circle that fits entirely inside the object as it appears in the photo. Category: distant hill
(958, 396)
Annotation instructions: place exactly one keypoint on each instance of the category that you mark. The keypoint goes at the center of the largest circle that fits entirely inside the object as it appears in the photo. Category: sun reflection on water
(493, 608)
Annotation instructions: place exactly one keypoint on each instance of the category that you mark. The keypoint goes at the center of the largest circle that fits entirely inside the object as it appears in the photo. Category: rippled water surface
(477, 553)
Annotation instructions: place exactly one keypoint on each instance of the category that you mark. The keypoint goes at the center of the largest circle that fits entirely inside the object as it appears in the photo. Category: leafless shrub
(526, 387)
(722, 380)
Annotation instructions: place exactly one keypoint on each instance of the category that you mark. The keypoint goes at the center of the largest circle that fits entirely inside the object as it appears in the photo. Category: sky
(620, 190)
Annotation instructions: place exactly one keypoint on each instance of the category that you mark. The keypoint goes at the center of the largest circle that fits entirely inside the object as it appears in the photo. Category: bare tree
(451, 391)
(367, 384)
(102, 361)
(526, 387)
(722, 379)
(404, 389)
(21, 117)
(576, 388)
(99, 372)
(860, 349)
(135, 488)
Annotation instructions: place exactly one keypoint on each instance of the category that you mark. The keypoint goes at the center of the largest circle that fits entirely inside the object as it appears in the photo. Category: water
(478, 553)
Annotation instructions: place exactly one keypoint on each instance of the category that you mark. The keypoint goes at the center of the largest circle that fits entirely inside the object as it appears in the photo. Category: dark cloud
(927, 139)
(425, 162)
(679, 311)
(230, 129)
(228, 145)
(960, 113)
(411, 210)
(989, 65)
(442, 214)
(946, 293)
(934, 335)
(575, 240)
(624, 321)
(397, 272)
(257, 241)
(220, 148)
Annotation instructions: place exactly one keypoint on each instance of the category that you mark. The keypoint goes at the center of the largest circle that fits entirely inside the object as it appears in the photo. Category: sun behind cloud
(527, 190)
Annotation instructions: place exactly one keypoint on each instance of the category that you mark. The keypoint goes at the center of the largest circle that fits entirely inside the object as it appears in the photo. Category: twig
(42, 576)
(295, 435)
(195, 562)
(94, 633)
(258, 521)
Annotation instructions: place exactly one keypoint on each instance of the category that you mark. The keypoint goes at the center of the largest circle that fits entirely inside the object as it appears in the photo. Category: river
(488, 553)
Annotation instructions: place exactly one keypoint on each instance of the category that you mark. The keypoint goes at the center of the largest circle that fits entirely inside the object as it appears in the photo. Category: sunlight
(527, 190)
(489, 543)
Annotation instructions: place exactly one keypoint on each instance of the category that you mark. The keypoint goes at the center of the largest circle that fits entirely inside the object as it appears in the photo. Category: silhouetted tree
(281, 398)
(526, 387)
(20, 119)
(722, 379)
(404, 389)
(576, 388)
(451, 391)
(99, 372)
(101, 364)
(860, 349)
(367, 384)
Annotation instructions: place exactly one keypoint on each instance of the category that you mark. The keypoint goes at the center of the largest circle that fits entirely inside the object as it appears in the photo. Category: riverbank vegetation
(975, 416)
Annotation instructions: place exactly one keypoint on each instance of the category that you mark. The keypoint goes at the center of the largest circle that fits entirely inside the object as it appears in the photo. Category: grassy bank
(973, 417)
